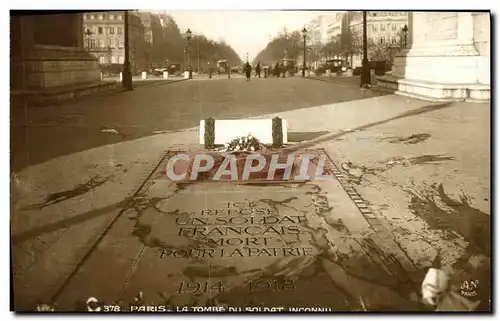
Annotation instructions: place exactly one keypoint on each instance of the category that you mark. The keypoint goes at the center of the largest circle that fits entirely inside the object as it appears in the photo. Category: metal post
(365, 71)
(304, 62)
(198, 53)
(189, 60)
(405, 37)
(184, 67)
(88, 37)
(127, 73)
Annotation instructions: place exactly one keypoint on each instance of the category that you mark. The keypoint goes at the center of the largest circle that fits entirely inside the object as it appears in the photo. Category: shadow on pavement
(410, 113)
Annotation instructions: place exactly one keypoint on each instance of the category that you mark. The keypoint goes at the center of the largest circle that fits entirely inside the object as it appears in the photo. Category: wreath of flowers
(246, 143)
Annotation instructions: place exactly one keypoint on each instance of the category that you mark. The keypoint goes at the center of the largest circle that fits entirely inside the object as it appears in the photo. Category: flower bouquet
(240, 148)
(243, 144)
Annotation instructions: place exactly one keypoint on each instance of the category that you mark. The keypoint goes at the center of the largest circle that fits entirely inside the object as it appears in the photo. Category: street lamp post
(198, 53)
(310, 63)
(127, 73)
(88, 35)
(188, 36)
(365, 71)
(185, 57)
(405, 36)
(304, 35)
(285, 62)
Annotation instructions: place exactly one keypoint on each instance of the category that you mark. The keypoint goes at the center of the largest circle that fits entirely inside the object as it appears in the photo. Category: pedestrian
(283, 69)
(257, 70)
(248, 71)
(277, 69)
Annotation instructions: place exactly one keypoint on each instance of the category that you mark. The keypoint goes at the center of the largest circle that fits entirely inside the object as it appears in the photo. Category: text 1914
(200, 287)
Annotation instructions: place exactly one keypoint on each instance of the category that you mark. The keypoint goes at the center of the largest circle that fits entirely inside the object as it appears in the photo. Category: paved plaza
(92, 214)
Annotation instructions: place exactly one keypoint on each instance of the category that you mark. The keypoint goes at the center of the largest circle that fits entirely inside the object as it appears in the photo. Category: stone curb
(331, 81)
(161, 83)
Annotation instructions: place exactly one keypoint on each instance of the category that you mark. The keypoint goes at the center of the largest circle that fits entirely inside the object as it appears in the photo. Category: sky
(244, 31)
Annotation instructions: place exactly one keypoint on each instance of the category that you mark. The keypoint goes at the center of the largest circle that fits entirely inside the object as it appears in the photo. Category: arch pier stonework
(48, 60)
(448, 58)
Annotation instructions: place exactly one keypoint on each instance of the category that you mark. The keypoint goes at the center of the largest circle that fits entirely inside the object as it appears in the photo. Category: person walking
(257, 70)
(277, 69)
(248, 71)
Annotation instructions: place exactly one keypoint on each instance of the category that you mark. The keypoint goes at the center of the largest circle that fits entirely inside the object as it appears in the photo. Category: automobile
(109, 70)
(159, 71)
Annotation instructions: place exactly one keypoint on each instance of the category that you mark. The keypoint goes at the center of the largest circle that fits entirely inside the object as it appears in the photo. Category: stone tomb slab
(249, 247)
(211, 239)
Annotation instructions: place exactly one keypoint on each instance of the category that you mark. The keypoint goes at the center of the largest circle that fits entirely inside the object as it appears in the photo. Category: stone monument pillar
(48, 60)
(442, 61)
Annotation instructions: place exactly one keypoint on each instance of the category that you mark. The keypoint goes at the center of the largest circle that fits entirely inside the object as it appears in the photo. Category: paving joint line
(161, 83)
(361, 204)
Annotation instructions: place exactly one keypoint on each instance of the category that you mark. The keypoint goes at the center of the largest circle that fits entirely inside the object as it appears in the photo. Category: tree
(331, 48)
(351, 37)
(351, 43)
(174, 41)
(382, 52)
(275, 50)
(204, 50)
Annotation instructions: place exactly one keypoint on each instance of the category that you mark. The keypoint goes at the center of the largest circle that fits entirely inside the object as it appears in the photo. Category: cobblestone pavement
(425, 171)
(422, 170)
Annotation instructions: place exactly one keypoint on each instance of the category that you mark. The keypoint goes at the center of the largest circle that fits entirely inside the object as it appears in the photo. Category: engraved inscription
(273, 285)
(240, 229)
(200, 287)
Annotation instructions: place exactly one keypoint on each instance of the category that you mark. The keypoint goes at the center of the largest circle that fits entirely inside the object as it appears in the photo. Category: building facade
(104, 37)
(314, 28)
(322, 29)
(382, 27)
(153, 38)
(334, 26)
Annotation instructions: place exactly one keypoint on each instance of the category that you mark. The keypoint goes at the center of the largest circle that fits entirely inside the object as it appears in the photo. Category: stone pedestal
(165, 75)
(443, 62)
(48, 61)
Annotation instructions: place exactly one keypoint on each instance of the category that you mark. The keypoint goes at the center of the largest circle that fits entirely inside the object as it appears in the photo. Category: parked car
(159, 71)
(380, 67)
(111, 69)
